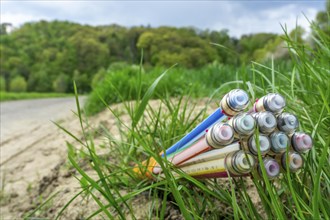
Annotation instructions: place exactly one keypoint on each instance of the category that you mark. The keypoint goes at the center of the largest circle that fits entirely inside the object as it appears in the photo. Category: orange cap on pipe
(146, 169)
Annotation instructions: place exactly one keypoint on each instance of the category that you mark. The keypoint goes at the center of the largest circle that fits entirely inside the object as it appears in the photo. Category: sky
(239, 17)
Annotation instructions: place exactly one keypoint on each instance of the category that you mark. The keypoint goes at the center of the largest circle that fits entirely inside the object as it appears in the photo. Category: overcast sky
(239, 17)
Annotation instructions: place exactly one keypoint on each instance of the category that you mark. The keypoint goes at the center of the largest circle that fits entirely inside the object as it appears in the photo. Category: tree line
(46, 56)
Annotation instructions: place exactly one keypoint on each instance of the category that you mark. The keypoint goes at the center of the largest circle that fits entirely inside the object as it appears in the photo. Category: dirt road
(34, 163)
(33, 151)
(20, 120)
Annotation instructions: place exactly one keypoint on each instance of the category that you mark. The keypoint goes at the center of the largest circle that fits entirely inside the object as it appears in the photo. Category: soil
(33, 156)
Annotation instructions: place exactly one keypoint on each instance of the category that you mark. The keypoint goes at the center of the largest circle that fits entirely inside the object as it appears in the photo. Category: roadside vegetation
(7, 96)
(123, 83)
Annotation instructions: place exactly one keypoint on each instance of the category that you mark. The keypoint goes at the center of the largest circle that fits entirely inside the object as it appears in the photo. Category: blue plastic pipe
(234, 102)
(197, 132)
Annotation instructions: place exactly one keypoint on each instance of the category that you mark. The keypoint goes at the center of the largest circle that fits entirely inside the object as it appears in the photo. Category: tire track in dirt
(31, 145)
(16, 136)
(23, 150)
(23, 123)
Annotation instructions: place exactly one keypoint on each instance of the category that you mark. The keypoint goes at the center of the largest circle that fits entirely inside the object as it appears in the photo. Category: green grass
(7, 96)
(152, 128)
(125, 83)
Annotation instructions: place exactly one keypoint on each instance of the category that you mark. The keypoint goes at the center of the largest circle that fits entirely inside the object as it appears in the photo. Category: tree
(2, 84)
(90, 54)
(322, 19)
(248, 44)
(82, 81)
(168, 45)
(273, 49)
(18, 84)
(61, 83)
(297, 34)
(4, 28)
(40, 81)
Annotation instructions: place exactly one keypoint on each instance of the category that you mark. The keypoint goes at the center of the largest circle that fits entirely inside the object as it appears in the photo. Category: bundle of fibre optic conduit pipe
(227, 141)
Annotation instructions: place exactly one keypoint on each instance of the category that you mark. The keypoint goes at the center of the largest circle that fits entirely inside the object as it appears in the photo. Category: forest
(45, 56)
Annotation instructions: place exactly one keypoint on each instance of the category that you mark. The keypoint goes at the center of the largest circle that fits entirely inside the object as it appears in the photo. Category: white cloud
(17, 19)
(239, 17)
(269, 20)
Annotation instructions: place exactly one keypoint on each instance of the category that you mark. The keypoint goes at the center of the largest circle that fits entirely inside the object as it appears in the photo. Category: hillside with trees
(46, 56)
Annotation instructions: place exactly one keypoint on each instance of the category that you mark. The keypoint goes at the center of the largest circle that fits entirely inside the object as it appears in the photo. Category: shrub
(2, 84)
(18, 84)
(61, 83)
